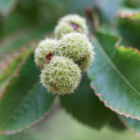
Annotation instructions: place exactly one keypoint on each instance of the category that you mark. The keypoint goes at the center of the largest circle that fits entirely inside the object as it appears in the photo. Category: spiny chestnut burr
(69, 24)
(61, 75)
(77, 47)
(46, 46)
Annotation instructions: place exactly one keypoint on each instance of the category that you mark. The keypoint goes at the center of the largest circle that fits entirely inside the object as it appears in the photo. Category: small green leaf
(132, 124)
(115, 75)
(85, 106)
(25, 101)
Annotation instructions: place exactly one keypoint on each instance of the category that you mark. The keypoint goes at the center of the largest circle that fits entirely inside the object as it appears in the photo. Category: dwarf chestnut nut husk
(61, 75)
(43, 48)
(77, 47)
(69, 24)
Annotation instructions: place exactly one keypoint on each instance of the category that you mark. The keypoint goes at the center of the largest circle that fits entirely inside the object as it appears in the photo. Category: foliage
(109, 92)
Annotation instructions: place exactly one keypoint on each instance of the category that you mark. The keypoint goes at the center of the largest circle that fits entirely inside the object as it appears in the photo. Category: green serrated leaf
(132, 124)
(128, 13)
(5, 76)
(25, 101)
(135, 17)
(85, 106)
(17, 44)
(129, 29)
(115, 75)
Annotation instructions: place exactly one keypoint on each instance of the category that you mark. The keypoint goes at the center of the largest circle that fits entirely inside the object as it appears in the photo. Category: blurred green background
(59, 125)
(26, 14)
(23, 22)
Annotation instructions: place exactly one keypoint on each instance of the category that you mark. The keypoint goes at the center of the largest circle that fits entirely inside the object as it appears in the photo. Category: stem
(89, 14)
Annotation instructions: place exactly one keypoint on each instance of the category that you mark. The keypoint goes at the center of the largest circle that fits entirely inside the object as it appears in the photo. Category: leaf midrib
(113, 65)
(22, 102)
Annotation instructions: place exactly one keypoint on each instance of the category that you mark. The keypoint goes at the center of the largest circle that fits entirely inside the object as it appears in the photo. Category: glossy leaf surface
(85, 106)
(24, 101)
(115, 75)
